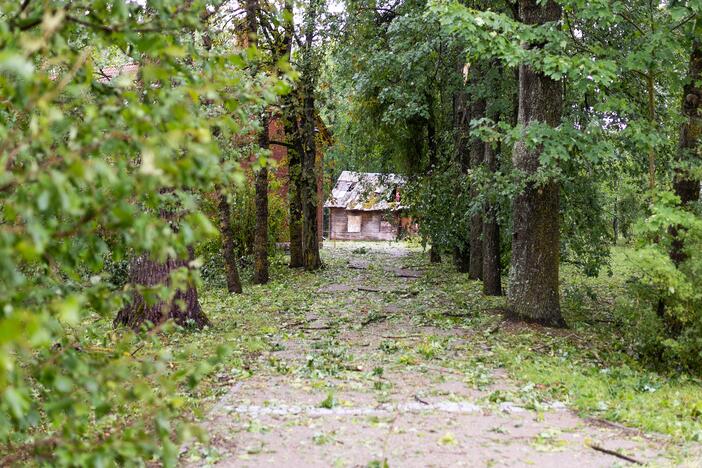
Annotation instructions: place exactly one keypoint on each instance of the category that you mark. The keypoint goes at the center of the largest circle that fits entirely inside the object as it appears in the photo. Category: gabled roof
(366, 191)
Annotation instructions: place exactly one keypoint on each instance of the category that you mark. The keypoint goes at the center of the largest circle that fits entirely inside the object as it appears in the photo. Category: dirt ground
(336, 392)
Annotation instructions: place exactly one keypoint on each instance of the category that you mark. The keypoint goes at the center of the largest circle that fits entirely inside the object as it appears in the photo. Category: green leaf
(16, 402)
(11, 62)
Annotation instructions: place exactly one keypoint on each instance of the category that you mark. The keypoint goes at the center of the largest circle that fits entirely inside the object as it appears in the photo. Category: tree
(461, 129)
(477, 155)
(492, 269)
(686, 184)
(113, 123)
(294, 193)
(146, 307)
(261, 230)
(228, 247)
(261, 174)
(533, 287)
(291, 122)
(309, 72)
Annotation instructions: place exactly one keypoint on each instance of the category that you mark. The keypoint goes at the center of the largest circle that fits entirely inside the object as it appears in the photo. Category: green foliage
(441, 206)
(666, 303)
(243, 222)
(90, 162)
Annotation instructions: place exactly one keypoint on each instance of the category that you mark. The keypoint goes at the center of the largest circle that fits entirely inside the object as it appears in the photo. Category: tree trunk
(461, 257)
(228, 251)
(294, 198)
(477, 153)
(261, 231)
(184, 308)
(432, 145)
(308, 188)
(294, 150)
(461, 121)
(261, 175)
(533, 290)
(492, 273)
(686, 186)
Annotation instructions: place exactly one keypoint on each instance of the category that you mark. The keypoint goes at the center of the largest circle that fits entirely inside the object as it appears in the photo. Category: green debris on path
(352, 367)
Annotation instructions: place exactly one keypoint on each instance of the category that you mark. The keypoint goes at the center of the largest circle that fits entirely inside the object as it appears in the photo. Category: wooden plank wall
(373, 226)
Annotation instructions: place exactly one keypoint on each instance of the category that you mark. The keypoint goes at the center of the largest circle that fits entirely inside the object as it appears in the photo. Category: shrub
(665, 301)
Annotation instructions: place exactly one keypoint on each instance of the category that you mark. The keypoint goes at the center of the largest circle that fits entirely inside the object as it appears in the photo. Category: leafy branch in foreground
(111, 129)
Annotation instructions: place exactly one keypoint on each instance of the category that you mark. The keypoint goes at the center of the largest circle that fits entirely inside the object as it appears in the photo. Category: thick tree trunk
(294, 150)
(533, 289)
(686, 186)
(261, 175)
(477, 153)
(184, 308)
(261, 231)
(308, 188)
(228, 250)
(461, 257)
(492, 273)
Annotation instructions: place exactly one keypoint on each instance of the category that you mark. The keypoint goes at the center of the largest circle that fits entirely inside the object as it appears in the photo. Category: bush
(665, 301)
(243, 206)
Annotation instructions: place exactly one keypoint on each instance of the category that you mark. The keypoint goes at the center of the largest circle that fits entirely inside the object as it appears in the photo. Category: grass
(588, 367)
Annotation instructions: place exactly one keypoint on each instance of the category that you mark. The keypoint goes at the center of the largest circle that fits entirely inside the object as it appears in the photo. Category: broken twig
(616, 454)
(424, 402)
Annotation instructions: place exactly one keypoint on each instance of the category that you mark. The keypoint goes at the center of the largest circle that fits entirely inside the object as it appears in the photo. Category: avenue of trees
(532, 133)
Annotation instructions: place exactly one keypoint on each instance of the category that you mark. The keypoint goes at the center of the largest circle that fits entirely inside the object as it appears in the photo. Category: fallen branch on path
(424, 402)
(614, 453)
(400, 337)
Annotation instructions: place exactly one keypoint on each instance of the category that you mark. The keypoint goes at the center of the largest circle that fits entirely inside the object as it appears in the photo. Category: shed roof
(366, 191)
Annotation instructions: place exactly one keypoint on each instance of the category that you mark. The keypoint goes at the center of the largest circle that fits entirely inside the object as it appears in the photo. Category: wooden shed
(366, 206)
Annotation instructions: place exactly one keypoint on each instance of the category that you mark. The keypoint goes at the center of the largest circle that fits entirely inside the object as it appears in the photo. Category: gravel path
(338, 391)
